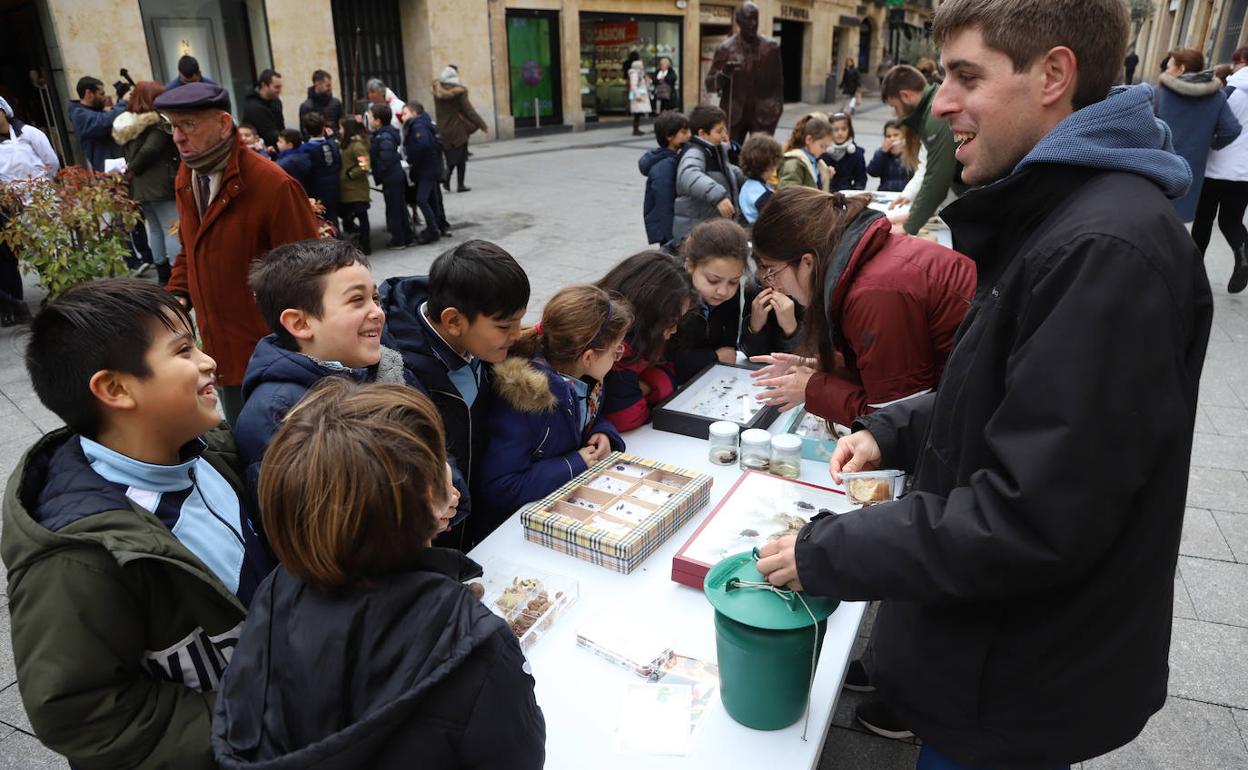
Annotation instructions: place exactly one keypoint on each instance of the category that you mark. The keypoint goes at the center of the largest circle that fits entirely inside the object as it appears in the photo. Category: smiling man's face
(997, 115)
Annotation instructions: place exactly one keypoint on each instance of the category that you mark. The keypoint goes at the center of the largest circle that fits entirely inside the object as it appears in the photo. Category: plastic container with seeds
(530, 600)
(871, 487)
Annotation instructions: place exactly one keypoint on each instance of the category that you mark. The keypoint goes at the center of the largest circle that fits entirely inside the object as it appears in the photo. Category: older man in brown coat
(233, 206)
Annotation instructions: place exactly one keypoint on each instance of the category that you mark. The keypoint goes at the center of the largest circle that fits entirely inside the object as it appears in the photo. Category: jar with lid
(723, 436)
(786, 455)
(755, 449)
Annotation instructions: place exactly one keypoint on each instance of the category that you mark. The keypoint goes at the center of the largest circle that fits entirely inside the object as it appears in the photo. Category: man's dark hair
(667, 125)
(381, 113)
(313, 124)
(293, 136)
(188, 66)
(1240, 55)
(292, 277)
(704, 117)
(903, 77)
(320, 75)
(106, 324)
(1095, 31)
(266, 77)
(87, 84)
(477, 278)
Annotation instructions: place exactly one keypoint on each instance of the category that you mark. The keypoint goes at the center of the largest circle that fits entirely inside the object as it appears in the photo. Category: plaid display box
(618, 512)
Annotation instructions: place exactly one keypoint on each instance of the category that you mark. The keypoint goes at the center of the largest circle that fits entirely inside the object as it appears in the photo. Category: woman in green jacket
(151, 165)
(354, 191)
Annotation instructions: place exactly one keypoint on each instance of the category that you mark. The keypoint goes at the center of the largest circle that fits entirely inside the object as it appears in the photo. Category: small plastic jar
(755, 449)
(786, 455)
(723, 437)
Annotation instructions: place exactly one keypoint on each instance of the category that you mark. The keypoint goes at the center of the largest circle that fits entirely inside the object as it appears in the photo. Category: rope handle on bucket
(788, 596)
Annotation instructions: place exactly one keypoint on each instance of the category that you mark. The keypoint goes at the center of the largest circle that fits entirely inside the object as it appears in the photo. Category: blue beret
(194, 96)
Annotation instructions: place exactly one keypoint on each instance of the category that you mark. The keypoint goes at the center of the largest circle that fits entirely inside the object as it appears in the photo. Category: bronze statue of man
(748, 75)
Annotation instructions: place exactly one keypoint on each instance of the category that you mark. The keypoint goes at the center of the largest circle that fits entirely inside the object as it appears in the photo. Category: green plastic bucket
(766, 644)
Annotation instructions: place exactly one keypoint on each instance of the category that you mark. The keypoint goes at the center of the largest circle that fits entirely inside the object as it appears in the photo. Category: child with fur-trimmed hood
(546, 423)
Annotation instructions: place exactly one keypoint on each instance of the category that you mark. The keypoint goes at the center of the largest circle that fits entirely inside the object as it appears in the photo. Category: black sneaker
(877, 717)
(856, 678)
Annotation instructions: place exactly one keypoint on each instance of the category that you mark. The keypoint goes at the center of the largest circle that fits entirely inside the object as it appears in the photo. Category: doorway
(533, 67)
(791, 34)
(864, 46)
(370, 45)
(27, 80)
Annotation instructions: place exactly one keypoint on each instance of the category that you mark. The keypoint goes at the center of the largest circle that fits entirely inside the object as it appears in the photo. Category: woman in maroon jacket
(881, 309)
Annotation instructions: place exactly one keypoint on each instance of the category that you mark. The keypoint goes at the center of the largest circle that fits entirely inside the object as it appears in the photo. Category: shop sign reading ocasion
(609, 33)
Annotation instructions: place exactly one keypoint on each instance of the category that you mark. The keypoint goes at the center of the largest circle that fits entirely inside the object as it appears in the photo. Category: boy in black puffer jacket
(388, 172)
(420, 672)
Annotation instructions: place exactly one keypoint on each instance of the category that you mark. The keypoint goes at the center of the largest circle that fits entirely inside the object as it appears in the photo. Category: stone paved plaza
(569, 205)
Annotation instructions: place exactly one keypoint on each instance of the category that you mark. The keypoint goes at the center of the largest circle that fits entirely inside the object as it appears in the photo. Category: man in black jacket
(1027, 579)
(262, 107)
(321, 99)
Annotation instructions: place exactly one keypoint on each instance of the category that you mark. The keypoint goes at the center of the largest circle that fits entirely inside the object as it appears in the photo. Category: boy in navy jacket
(671, 131)
(388, 172)
(451, 327)
(319, 299)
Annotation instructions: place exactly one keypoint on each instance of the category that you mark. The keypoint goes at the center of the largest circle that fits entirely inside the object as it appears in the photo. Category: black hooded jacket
(424, 358)
(328, 105)
(1028, 577)
(412, 672)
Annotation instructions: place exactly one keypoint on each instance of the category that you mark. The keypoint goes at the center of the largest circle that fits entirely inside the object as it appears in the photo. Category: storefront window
(533, 66)
(606, 43)
(230, 38)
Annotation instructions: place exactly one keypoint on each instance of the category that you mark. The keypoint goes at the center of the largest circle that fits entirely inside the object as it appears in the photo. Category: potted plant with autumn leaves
(69, 229)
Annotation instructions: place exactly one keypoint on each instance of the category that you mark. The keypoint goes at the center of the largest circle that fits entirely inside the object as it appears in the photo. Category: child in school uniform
(365, 649)
(895, 161)
(760, 160)
(452, 326)
(846, 159)
(546, 424)
(803, 162)
(657, 288)
(388, 172)
(734, 313)
(131, 554)
(707, 182)
(658, 165)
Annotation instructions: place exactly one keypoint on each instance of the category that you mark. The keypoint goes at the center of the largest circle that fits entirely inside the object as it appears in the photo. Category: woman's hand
(856, 452)
(786, 391)
(778, 364)
(726, 354)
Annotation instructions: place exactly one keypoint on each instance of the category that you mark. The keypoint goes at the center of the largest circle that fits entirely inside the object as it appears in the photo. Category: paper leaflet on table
(654, 718)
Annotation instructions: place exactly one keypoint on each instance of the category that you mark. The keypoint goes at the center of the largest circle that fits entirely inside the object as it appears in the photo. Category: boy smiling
(130, 556)
(320, 300)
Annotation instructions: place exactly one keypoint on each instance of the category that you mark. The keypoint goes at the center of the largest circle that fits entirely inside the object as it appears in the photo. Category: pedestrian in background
(1190, 100)
(353, 186)
(638, 94)
(851, 84)
(92, 117)
(457, 120)
(321, 99)
(1129, 64)
(388, 172)
(1225, 192)
(233, 206)
(152, 163)
(262, 107)
(665, 86)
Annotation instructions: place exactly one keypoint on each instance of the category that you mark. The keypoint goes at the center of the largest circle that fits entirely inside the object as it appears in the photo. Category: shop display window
(607, 41)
